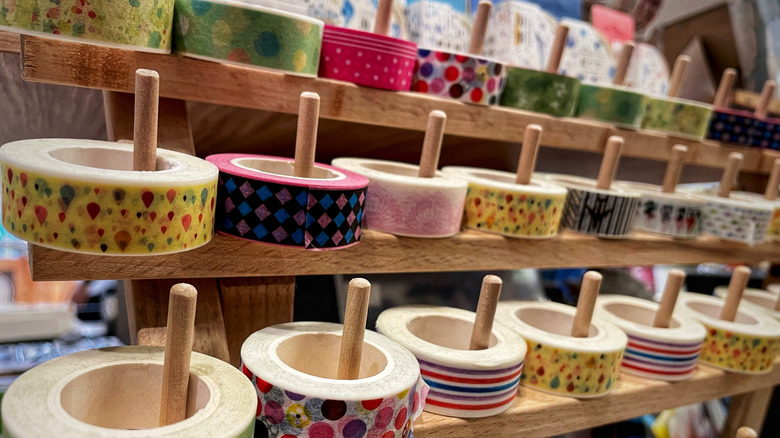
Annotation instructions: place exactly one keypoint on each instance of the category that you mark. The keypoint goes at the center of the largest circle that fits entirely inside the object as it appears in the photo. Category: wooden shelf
(379, 252)
(82, 65)
(537, 414)
(10, 42)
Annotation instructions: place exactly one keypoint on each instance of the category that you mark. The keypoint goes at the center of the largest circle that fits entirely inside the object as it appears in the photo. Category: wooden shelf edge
(10, 42)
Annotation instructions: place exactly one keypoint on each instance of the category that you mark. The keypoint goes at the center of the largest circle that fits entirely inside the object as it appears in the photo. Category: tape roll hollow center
(317, 354)
(284, 168)
(636, 314)
(105, 158)
(444, 331)
(713, 311)
(551, 321)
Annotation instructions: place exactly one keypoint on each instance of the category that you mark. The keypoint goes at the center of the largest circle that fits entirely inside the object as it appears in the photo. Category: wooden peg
(479, 30)
(777, 303)
(591, 282)
(623, 63)
(179, 336)
(723, 94)
(147, 103)
(434, 135)
(679, 73)
(384, 11)
(609, 162)
(739, 280)
(355, 316)
(486, 312)
(730, 173)
(767, 93)
(525, 167)
(672, 289)
(306, 139)
(774, 180)
(556, 53)
(674, 168)
(746, 432)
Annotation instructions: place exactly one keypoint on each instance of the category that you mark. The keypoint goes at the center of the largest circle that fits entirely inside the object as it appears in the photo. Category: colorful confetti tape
(738, 218)
(461, 77)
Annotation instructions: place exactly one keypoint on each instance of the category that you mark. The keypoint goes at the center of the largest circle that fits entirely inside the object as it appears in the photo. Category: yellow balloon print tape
(81, 196)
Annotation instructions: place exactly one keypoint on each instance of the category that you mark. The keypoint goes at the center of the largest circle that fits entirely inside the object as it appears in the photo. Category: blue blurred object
(457, 5)
(561, 8)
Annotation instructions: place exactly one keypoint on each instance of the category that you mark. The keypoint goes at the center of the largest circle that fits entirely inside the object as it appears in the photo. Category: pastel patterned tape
(731, 126)
(678, 117)
(464, 383)
(540, 92)
(657, 353)
(260, 201)
(739, 218)
(520, 34)
(401, 203)
(748, 345)
(131, 24)
(606, 103)
(588, 56)
(766, 133)
(293, 369)
(558, 363)
(760, 299)
(773, 230)
(67, 397)
(245, 34)
(82, 196)
(494, 203)
(678, 214)
(465, 78)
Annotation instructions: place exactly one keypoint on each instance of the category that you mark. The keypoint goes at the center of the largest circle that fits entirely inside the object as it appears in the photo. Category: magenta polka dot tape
(465, 78)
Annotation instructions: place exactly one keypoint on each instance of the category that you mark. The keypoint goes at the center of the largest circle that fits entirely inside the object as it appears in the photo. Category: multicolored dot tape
(242, 33)
(736, 218)
(617, 105)
(766, 134)
(673, 214)
(462, 77)
(135, 24)
(731, 126)
(773, 231)
(679, 117)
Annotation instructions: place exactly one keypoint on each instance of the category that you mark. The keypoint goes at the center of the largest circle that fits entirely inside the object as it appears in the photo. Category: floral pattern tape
(739, 352)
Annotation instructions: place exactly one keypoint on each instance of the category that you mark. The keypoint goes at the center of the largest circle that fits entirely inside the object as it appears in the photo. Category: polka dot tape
(462, 77)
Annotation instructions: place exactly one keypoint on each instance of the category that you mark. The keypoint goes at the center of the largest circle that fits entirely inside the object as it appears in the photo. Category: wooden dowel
(770, 194)
(679, 73)
(672, 289)
(486, 312)
(746, 432)
(147, 103)
(674, 168)
(777, 303)
(556, 53)
(384, 11)
(355, 316)
(730, 173)
(525, 166)
(479, 30)
(591, 282)
(767, 93)
(723, 94)
(609, 163)
(434, 135)
(179, 336)
(623, 63)
(306, 138)
(739, 280)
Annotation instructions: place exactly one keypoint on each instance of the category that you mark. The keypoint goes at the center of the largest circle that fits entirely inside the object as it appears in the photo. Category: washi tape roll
(260, 201)
(239, 33)
(731, 126)
(558, 363)
(737, 218)
(401, 203)
(494, 203)
(648, 71)
(678, 117)
(654, 352)
(464, 383)
(618, 105)
(679, 214)
(588, 210)
(293, 368)
(137, 25)
(539, 91)
(115, 392)
(588, 56)
(756, 298)
(773, 231)
(766, 133)
(747, 345)
(521, 34)
(82, 196)
(467, 78)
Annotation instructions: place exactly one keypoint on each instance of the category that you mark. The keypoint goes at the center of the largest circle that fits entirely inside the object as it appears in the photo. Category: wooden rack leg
(749, 409)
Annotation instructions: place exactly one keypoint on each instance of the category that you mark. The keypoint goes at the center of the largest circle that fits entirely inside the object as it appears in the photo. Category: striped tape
(657, 359)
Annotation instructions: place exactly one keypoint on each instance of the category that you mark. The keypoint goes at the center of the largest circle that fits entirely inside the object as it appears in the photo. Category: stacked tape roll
(658, 353)
(293, 369)
(731, 126)
(614, 104)
(82, 196)
(558, 363)
(739, 218)
(773, 230)
(749, 344)
(679, 214)
(467, 78)
(136, 25)
(495, 203)
(679, 117)
(260, 201)
(244, 34)
(400, 202)
(757, 298)
(464, 383)
(115, 392)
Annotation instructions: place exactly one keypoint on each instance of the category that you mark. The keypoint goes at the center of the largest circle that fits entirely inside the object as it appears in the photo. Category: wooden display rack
(259, 287)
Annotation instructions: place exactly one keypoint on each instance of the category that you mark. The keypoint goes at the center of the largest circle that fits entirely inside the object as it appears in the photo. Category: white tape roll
(678, 214)
(756, 298)
(738, 217)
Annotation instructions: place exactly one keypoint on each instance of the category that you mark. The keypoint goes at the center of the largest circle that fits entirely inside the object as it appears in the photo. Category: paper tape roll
(618, 105)
(766, 133)
(748, 345)
(654, 352)
(401, 203)
(678, 214)
(457, 76)
(773, 230)
(238, 33)
(293, 368)
(541, 92)
(114, 392)
(82, 196)
(738, 218)
(587, 56)
(259, 200)
(678, 117)
(136, 25)
(464, 383)
(759, 299)
(495, 203)
(558, 363)
(731, 126)
(588, 210)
